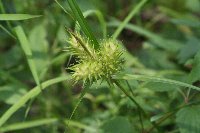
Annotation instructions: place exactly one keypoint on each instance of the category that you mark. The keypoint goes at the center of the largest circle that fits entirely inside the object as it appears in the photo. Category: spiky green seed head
(93, 65)
(76, 47)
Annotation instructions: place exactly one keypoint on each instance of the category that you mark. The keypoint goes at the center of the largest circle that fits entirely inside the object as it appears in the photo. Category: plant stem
(134, 11)
(159, 122)
(76, 11)
(31, 94)
(169, 114)
(139, 108)
(124, 91)
(81, 43)
(7, 31)
(3, 11)
(41, 122)
(130, 88)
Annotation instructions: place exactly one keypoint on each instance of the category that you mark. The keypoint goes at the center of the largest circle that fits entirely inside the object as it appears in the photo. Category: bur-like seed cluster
(92, 64)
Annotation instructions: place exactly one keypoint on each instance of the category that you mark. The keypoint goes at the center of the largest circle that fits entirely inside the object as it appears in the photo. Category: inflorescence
(92, 64)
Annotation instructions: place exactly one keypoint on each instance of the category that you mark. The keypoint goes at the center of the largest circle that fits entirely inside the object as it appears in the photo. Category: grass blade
(82, 22)
(167, 44)
(27, 50)
(134, 11)
(14, 17)
(31, 94)
(25, 125)
(7, 31)
(154, 79)
(100, 17)
(4, 12)
(41, 122)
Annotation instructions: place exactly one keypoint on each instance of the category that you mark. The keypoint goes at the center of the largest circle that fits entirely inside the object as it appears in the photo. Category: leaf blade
(28, 52)
(154, 79)
(82, 22)
(14, 17)
(31, 94)
(134, 11)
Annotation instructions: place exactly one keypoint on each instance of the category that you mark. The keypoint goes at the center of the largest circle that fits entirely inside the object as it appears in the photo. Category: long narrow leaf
(100, 17)
(154, 79)
(27, 50)
(31, 94)
(41, 122)
(82, 22)
(14, 17)
(134, 11)
(7, 31)
(167, 44)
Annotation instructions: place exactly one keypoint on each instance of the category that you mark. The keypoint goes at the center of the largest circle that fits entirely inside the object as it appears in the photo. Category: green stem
(83, 23)
(81, 43)
(84, 91)
(169, 114)
(130, 88)
(124, 91)
(140, 115)
(7, 31)
(154, 79)
(3, 11)
(139, 108)
(134, 11)
(41, 122)
(160, 121)
(31, 94)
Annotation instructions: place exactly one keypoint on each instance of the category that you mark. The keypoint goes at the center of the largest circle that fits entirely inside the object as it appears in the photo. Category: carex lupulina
(92, 64)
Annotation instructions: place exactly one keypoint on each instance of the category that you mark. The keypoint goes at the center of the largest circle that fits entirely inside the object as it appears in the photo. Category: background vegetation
(161, 42)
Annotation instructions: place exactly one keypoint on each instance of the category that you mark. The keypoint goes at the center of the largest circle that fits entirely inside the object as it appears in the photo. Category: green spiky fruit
(93, 64)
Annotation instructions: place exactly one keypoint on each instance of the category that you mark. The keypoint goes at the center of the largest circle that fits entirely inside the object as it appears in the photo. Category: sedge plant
(101, 60)
(96, 60)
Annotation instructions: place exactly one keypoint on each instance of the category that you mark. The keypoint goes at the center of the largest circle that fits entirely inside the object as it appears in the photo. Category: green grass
(42, 122)
(14, 17)
(31, 94)
(133, 12)
(159, 78)
(78, 16)
(28, 52)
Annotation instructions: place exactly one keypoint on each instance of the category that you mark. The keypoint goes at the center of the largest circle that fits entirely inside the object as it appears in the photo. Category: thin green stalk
(169, 114)
(139, 108)
(126, 93)
(25, 45)
(74, 110)
(3, 11)
(31, 94)
(64, 9)
(41, 122)
(7, 31)
(85, 89)
(133, 12)
(154, 79)
(160, 121)
(130, 88)
(28, 108)
(140, 115)
(101, 19)
(83, 23)
(81, 43)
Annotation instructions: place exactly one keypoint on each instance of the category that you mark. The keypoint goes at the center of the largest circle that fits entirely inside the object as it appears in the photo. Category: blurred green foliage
(162, 40)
